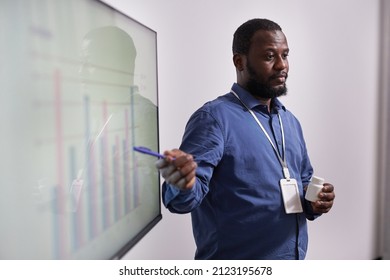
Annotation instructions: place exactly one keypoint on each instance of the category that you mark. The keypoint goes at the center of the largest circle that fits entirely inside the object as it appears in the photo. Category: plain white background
(333, 90)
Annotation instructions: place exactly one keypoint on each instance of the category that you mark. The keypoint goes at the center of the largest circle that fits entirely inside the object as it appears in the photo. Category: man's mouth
(279, 78)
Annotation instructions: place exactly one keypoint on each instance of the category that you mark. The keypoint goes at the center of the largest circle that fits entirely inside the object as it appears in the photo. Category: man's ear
(239, 61)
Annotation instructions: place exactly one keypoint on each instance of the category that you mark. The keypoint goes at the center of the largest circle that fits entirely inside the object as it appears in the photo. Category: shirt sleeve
(306, 174)
(203, 139)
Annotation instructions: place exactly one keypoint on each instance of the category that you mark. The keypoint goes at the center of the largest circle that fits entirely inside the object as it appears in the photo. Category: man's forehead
(269, 39)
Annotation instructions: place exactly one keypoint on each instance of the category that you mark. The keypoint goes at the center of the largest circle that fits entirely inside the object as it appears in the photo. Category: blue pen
(147, 151)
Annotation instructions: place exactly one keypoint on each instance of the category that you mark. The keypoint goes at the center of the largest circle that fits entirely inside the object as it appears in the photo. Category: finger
(169, 157)
(190, 176)
(167, 171)
(321, 210)
(182, 177)
(188, 168)
(178, 181)
(188, 172)
(175, 177)
(182, 160)
(173, 154)
(326, 196)
(328, 188)
(322, 206)
(160, 163)
(182, 183)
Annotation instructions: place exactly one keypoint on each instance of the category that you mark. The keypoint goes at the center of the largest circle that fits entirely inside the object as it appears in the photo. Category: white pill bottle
(314, 188)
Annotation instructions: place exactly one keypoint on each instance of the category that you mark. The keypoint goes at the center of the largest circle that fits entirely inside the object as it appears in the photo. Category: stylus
(147, 151)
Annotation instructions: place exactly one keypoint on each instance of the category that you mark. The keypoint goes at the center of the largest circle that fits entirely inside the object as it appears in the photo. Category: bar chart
(100, 187)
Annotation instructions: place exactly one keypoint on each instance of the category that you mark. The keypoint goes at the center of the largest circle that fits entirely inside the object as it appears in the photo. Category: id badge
(290, 194)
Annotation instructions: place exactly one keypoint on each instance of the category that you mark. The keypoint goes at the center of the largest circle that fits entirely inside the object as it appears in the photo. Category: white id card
(290, 194)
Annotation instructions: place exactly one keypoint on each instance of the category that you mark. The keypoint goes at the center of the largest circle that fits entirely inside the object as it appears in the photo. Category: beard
(264, 90)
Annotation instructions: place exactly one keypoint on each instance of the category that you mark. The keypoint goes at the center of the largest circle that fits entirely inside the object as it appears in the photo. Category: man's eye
(269, 56)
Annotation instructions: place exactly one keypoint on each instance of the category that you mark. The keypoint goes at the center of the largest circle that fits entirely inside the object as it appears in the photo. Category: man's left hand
(325, 201)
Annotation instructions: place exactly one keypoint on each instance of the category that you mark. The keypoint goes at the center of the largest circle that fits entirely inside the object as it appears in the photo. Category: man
(243, 167)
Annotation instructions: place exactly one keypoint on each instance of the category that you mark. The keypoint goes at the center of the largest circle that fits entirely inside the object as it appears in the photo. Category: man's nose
(281, 63)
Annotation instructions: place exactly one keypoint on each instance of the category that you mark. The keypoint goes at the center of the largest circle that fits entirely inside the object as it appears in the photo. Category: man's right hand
(178, 169)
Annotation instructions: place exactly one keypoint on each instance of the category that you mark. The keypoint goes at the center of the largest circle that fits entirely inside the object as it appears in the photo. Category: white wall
(332, 90)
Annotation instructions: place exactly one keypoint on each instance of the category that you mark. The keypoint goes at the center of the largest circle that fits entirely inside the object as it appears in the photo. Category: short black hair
(243, 35)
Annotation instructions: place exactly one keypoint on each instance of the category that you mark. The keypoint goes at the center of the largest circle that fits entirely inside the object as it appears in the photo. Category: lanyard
(282, 161)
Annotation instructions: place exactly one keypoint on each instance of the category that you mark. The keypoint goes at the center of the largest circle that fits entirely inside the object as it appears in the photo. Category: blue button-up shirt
(236, 203)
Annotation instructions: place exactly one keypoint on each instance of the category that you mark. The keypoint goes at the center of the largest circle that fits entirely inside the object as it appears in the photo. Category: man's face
(267, 64)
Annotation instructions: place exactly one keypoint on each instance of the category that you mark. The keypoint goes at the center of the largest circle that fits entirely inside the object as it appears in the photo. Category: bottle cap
(317, 180)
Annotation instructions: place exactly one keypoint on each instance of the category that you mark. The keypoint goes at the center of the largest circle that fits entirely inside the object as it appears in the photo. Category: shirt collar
(252, 102)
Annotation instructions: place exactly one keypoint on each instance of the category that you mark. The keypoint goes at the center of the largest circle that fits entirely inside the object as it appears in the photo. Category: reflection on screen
(78, 91)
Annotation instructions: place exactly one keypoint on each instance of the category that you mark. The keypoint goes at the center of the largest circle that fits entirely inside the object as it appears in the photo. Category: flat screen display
(78, 90)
